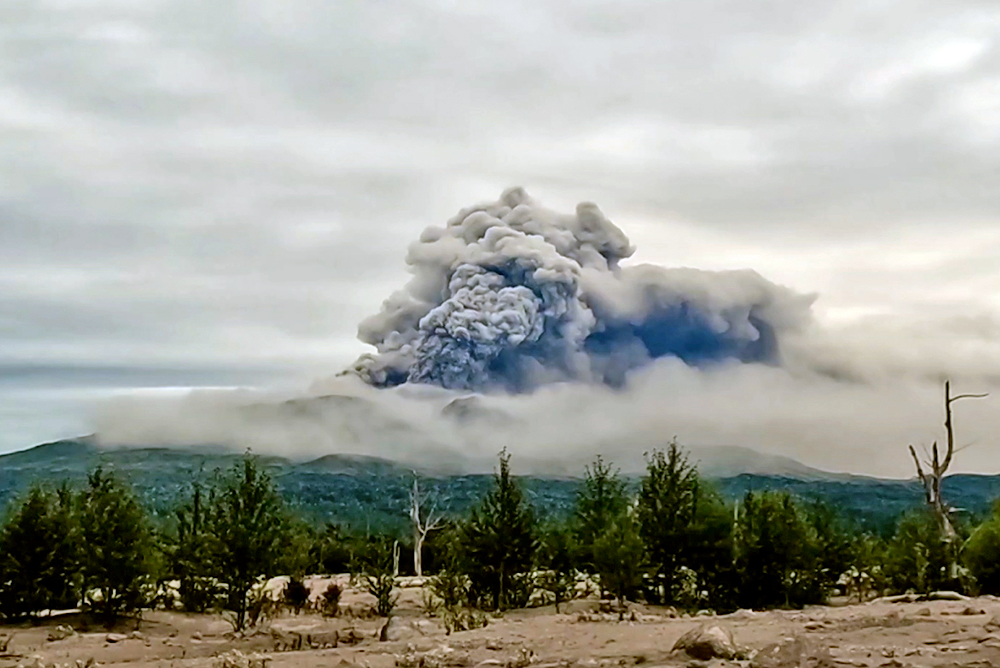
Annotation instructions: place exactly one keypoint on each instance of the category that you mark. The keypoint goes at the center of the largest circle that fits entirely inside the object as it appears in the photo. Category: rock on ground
(709, 641)
(61, 632)
(394, 629)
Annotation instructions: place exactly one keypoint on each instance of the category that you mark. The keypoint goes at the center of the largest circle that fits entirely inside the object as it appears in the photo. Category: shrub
(259, 607)
(981, 555)
(865, 576)
(330, 551)
(917, 556)
(450, 589)
(378, 576)
(382, 587)
(462, 619)
(836, 541)
(448, 596)
(295, 594)
(331, 600)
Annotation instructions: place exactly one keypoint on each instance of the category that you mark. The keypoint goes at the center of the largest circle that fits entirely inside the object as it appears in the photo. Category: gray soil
(937, 633)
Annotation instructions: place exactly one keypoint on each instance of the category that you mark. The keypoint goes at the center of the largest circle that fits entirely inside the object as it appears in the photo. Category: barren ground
(938, 633)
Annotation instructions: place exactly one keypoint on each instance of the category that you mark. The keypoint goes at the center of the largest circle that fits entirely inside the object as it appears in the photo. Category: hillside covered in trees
(370, 493)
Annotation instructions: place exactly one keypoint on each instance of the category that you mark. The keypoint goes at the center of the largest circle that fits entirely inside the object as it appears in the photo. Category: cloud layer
(196, 187)
(571, 354)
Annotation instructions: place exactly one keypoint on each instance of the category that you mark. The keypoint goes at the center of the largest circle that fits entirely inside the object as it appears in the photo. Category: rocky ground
(881, 633)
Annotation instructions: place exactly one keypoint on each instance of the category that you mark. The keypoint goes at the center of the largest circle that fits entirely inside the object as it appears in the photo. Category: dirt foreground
(937, 633)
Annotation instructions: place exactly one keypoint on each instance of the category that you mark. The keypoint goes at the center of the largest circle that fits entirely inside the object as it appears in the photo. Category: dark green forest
(366, 493)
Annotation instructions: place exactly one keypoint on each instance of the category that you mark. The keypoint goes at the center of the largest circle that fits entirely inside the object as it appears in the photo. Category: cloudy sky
(215, 194)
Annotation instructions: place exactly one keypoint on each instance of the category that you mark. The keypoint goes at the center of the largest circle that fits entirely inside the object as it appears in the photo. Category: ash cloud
(510, 296)
(526, 329)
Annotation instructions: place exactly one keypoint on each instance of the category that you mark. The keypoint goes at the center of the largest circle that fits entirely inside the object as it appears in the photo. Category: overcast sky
(216, 193)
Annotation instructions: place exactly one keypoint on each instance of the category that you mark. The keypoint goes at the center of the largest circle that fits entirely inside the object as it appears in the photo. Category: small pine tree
(499, 543)
(709, 551)
(556, 553)
(189, 560)
(38, 555)
(116, 540)
(777, 554)
(298, 556)
(600, 501)
(246, 523)
(619, 555)
(65, 563)
(666, 512)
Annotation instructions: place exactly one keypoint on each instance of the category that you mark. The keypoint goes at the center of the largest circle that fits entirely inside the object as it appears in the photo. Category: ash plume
(509, 295)
(526, 329)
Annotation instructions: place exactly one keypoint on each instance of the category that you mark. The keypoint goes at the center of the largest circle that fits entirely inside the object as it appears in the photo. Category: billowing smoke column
(510, 295)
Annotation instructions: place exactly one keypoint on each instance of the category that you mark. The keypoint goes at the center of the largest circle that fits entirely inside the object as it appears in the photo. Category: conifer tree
(777, 554)
(557, 550)
(190, 560)
(246, 522)
(37, 555)
(499, 542)
(601, 500)
(667, 507)
(619, 556)
(115, 546)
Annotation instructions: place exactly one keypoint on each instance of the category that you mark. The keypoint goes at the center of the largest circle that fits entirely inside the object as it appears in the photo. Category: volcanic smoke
(510, 295)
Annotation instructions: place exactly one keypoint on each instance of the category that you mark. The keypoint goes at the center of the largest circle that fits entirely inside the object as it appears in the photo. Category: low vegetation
(672, 541)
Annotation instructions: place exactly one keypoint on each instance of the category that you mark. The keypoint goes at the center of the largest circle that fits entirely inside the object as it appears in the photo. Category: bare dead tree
(938, 467)
(424, 521)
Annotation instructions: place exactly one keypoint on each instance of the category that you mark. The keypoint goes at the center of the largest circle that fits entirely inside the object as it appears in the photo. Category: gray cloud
(234, 184)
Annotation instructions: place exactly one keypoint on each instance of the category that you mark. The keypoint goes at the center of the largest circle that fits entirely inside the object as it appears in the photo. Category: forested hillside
(371, 493)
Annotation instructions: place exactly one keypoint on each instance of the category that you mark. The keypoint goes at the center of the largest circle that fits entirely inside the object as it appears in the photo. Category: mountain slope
(726, 461)
(370, 492)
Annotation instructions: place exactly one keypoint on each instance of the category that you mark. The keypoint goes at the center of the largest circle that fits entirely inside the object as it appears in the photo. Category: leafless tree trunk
(424, 521)
(937, 468)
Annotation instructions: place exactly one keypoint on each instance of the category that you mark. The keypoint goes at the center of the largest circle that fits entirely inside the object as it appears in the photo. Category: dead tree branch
(937, 468)
(424, 521)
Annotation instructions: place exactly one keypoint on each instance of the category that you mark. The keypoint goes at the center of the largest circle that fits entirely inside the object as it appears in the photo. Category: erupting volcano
(510, 295)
